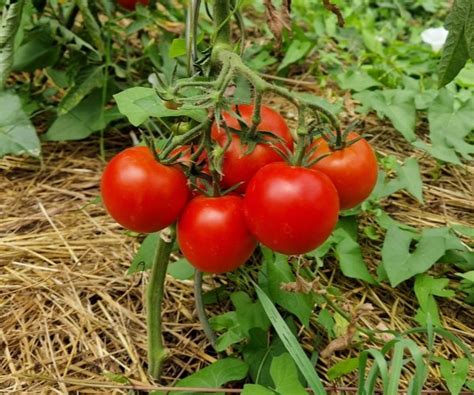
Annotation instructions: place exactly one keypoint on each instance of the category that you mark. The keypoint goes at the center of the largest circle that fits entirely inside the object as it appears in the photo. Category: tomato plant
(131, 4)
(140, 193)
(352, 168)
(213, 235)
(291, 209)
(241, 162)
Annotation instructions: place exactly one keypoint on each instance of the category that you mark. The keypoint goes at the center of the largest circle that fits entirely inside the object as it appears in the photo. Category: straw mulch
(70, 318)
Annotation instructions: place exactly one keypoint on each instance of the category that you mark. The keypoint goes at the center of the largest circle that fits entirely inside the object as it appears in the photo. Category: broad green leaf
(426, 287)
(17, 134)
(181, 269)
(410, 178)
(464, 230)
(285, 376)
(297, 50)
(138, 104)
(250, 315)
(454, 373)
(399, 263)
(396, 104)
(342, 368)
(216, 375)
(87, 80)
(327, 321)
(279, 272)
(468, 275)
(357, 80)
(177, 48)
(291, 343)
(450, 123)
(455, 51)
(352, 263)
(83, 120)
(143, 259)
(255, 389)
(38, 51)
(465, 78)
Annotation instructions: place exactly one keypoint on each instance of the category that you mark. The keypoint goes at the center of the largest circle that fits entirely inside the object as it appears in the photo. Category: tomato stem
(201, 311)
(157, 352)
(222, 16)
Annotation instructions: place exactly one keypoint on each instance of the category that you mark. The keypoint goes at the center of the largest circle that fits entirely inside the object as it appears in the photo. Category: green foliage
(454, 373)
(17, 134)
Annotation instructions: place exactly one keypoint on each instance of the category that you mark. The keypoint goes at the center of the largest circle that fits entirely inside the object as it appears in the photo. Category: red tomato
(212, 234)
(353, 169)
(290, 209)
(131, 4)
(140, 193)
(239, 167)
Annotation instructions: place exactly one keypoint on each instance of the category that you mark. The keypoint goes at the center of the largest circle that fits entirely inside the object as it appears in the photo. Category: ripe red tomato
(353, 169)
(140, 193)
(239, 167)
(213, 235)
(131, 4)
(291, 209)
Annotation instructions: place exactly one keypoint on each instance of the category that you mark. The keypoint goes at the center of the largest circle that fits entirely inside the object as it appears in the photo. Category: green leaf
(357, 80)
(255, 389)
(17, 134)
(285, 376)
(249, 315)
(468, 275)
(177, 48)
(342, 368)
(410, 177)
(334, 108)
(83, 120)
(138, 104)
(296, 51)
(87, 80)
(454, 373)
(396, 104)
(143, 259)
(426, 287)
(38, 51)
(327, 321)
(399, 263)
(450, 123)
(279, 272)
(216, 375)
(92, 26)
(291, 343)
(181, 269)
(455, 50)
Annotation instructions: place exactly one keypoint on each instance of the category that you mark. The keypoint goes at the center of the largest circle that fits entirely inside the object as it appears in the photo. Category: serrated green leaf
(455, 50)
(138, 104)
(17, 134)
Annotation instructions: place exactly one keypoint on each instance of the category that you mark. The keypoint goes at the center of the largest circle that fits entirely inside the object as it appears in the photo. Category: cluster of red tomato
(290, 209)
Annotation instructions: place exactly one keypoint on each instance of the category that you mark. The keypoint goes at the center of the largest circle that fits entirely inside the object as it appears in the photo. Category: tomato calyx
(338, 141)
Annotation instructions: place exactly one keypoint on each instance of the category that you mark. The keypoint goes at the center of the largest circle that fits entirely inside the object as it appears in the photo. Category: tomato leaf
(455, 51)
(17, 134)
(138, 104)
(143, 259)
(181, 269)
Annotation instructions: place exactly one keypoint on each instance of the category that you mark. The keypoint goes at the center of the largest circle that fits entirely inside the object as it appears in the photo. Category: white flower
(436, 37)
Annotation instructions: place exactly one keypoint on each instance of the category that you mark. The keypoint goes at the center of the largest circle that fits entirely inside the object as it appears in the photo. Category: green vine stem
(9, 23)
(201, 311)
(157, 352)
